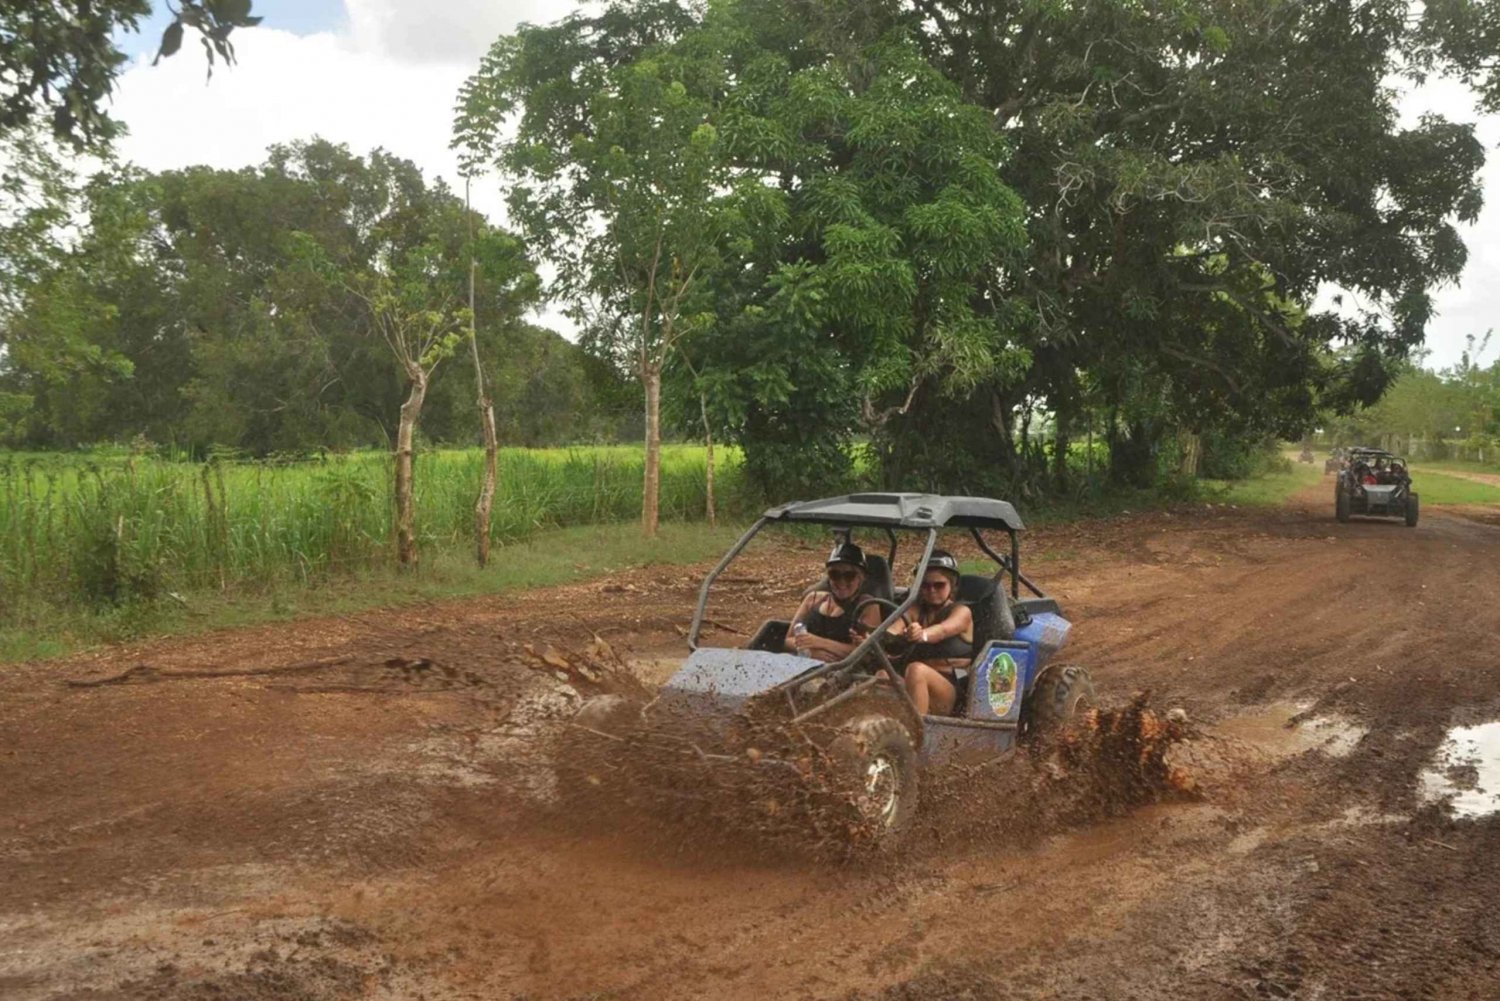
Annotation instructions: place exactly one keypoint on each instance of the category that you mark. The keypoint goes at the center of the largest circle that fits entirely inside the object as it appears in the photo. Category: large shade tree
(1191, 169)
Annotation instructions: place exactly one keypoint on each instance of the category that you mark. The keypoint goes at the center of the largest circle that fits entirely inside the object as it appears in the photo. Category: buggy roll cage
(911, 512)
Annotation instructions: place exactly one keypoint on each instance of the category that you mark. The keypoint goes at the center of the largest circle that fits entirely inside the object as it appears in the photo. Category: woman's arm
(808, 602)
(959, 622)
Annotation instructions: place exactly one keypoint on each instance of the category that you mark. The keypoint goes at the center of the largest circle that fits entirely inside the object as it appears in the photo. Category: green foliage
(113, 529)
(547, 558)
(1455, 412)
(202, 307)
(59, 58)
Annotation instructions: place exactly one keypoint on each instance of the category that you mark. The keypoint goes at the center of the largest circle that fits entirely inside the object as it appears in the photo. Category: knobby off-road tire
(1341, 505)
(878, 767)
(1063, 692)
(1411, 511)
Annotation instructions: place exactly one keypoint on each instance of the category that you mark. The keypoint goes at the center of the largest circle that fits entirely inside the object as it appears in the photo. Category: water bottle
(800, 629)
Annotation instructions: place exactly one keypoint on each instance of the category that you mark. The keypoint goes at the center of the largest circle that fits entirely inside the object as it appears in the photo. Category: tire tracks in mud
(1302, 876)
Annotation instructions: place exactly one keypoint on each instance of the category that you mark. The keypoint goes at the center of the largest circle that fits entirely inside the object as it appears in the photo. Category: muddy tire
(1062, 692)
(1411, 511)
(1341, 505)
(877, 767)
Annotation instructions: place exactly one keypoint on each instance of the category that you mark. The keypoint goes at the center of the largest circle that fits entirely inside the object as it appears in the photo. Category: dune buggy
(857, 709)
(1334, 462)
(1375, 482)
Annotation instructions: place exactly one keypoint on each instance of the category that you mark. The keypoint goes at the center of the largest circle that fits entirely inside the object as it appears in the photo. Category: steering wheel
(890, 641)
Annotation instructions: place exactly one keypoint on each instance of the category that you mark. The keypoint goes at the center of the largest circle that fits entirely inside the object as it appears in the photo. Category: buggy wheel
(1061, 693)
(1411, 511)
(878, 768)
(1341, 505)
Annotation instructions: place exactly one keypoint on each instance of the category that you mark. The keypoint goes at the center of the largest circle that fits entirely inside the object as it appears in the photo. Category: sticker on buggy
(1002, 682)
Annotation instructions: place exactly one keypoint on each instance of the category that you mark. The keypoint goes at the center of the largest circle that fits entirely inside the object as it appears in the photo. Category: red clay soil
(365, 808)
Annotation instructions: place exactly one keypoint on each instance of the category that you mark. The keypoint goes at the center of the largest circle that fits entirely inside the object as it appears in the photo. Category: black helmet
(846, 552)
(944, 561)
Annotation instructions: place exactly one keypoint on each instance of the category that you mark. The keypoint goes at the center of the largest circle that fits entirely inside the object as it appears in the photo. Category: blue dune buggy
(856, 709)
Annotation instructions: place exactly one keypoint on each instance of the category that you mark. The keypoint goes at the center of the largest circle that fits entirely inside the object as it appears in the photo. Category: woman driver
(828, 615)
(942, 635)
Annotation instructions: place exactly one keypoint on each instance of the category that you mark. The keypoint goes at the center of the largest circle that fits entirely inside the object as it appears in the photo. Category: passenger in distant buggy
(828, 616)
(942, 634)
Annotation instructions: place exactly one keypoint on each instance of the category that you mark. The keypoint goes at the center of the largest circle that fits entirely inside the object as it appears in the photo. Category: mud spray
(681, 782)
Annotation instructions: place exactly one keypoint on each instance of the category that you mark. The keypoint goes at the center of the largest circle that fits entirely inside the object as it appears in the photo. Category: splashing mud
(677, 778)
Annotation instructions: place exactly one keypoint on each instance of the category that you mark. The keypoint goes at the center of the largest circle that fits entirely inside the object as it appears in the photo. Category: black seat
(991, 609)
(878, 583)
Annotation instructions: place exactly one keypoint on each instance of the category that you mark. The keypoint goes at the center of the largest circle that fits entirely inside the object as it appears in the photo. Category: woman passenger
(828, 615)
(942, 635)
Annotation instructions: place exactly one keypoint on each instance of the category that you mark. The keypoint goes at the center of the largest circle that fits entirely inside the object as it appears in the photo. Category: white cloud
(443, 30)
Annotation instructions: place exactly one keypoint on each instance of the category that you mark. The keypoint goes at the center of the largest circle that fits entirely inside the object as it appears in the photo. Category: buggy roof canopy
(1376, 452)
(902, 511)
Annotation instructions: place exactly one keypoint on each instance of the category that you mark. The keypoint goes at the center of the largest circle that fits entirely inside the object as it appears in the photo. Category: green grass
(1457, 466)
(1270, 490)
(547, 558)
(107, 529)
(1434, 488)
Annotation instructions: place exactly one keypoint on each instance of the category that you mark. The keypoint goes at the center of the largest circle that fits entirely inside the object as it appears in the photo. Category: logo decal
(1002, 683)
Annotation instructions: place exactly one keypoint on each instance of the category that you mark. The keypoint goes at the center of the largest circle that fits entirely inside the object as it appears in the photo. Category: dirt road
(349, 809)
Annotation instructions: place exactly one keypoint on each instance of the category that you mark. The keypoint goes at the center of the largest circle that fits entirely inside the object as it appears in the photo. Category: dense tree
(860, 196)
(179, 315)
(1455, 411)
(1189, 169)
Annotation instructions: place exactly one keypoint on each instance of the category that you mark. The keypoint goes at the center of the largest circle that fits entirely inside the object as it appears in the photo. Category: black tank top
(949, 648)
(830, 627)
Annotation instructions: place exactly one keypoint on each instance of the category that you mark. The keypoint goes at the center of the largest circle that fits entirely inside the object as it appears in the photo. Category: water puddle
(1466, 771)
(1281, 730)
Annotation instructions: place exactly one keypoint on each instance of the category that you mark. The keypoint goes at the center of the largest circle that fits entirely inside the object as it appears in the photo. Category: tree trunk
(406, 515)
(708, 438)
(1060, 445)
(1192, 454)
(651, 494)
(486, 501)
(1091, 449)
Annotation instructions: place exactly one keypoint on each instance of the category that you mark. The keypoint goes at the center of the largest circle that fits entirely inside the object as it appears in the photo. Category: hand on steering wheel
(895, 638)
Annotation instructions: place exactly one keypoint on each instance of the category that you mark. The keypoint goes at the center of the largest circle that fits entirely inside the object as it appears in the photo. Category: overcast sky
(385, 73)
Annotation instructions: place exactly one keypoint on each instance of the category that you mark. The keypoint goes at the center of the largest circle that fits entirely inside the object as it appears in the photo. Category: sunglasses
(936, 585)
(843, 576)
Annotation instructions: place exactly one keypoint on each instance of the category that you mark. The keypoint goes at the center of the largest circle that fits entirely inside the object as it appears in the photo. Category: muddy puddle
(1282, 729)
(1466, 771)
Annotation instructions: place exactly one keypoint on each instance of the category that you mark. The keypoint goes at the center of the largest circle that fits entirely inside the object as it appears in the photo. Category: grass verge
(547, 558)
(1435, 488)
(1270, 490)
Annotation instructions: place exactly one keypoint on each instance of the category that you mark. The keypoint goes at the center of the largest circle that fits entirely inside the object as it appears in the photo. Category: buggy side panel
(724, 678)
(945, 737)
(1045, 634)
(997, 680)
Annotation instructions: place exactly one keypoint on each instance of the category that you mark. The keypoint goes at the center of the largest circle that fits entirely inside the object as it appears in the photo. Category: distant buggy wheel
(878, 768)
(1063, 692)
(1341, 504)
(1411, 511)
